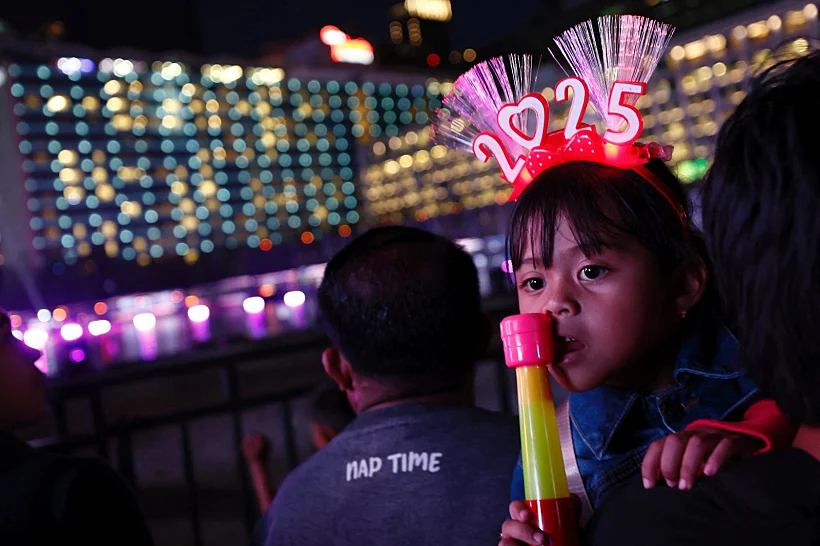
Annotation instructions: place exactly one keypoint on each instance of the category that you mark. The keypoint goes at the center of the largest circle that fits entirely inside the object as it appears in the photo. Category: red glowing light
(433, 60)
(343, 49)
(332, 36)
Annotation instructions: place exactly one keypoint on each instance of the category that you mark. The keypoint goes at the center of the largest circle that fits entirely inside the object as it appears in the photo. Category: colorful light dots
(71, 332)
(59, 314)
(99, 327)
(267, 290)
(245, 104)
(199, 313)
(44, 315)
(145, 322)
(253, 305)
(36, 338)
(77, 355)
(58, 103)
(295, 298)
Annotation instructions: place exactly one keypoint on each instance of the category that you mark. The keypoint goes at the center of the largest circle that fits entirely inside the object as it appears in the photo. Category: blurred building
(420, 32)
(684, 14)
(120, 161)
(113, 167)
(409, 179)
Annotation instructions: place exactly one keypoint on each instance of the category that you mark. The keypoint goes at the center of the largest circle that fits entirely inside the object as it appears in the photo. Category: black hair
(331, 407)
(400, 302)
(602, 205)
(760, 210)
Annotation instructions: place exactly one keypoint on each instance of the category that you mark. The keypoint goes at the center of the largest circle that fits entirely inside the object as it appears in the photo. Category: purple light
(295, 298)
(199, 313)
(253, 305)
(99, 327)
(73, 65)
(77, 355)
(35, 338)
(71, 332)
(506, 266)
(145, 322)
(86, 66)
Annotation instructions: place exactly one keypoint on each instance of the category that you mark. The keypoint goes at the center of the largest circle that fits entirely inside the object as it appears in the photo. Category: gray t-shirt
(410, 475)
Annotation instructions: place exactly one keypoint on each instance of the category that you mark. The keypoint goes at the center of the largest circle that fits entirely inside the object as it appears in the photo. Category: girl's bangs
(540, 210)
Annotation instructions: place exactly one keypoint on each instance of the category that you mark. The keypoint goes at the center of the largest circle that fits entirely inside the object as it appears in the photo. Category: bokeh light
(253, 305)
(71, 332)
(145, 322)
(199, 313)
(36, 338)
(295, 298)
(99, 327)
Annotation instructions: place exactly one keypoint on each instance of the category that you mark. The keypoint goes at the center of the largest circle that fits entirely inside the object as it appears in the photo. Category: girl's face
(610, 311)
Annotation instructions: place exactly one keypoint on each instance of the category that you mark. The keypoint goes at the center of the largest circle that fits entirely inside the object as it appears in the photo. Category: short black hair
(331, 407)
(761, 214)
(401, 302)
(601, 204)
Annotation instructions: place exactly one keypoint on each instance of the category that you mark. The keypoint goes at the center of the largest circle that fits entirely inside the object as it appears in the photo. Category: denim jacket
(612, 428)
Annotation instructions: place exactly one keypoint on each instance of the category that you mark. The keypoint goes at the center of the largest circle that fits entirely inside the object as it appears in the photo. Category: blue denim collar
(707, 350)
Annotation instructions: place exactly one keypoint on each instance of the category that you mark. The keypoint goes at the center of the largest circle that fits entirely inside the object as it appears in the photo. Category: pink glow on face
(145, 322)
(199, 313)
(71, 332)
(99, 327)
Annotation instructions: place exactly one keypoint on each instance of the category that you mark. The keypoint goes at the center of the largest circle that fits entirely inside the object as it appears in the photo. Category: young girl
(638, 344)
(600, 240)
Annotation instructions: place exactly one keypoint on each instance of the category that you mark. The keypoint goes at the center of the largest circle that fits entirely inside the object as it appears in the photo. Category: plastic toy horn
(528, 348)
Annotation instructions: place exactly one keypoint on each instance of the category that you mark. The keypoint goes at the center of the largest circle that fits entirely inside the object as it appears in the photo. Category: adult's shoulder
(639, 517)
(493, 431)
(768, 499)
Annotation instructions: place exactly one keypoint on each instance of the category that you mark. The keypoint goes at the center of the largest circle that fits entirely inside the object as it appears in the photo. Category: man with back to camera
(402, 309)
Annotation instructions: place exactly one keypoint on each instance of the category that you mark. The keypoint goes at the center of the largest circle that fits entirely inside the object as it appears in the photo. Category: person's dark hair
(331, 407)
(400, 302)
(602, 205)
(760, 210)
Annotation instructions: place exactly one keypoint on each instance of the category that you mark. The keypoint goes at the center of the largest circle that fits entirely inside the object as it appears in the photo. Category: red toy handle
(557, 518)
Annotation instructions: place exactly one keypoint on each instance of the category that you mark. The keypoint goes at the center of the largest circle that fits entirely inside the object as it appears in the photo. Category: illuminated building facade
(412, 180)
(146, 162)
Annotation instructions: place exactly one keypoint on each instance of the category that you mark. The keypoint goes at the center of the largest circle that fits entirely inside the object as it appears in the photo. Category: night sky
(244, 27)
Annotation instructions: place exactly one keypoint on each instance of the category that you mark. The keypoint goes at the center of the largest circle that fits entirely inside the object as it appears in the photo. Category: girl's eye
(592, 273)
(534, 284)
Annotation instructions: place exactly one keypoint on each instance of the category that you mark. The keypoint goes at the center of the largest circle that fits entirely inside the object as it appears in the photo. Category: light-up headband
(489, 110)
